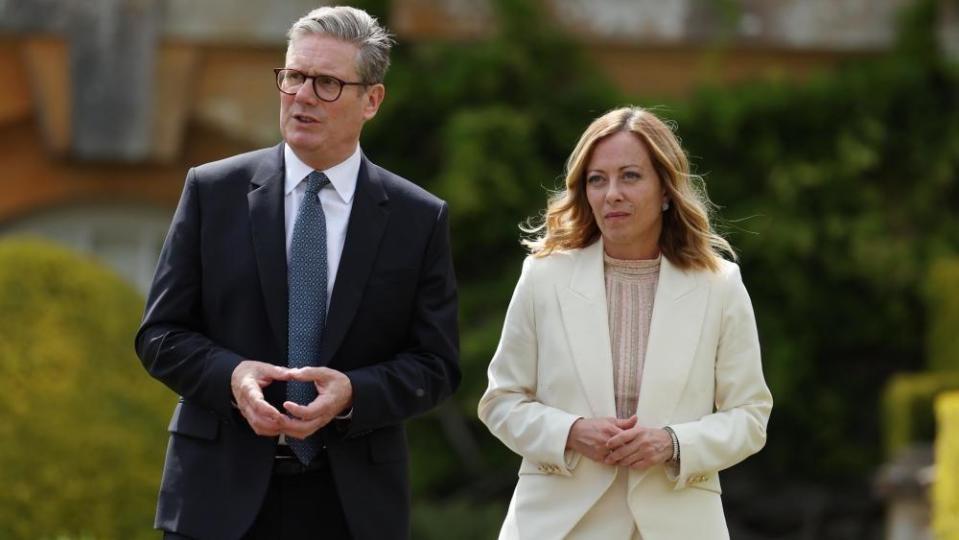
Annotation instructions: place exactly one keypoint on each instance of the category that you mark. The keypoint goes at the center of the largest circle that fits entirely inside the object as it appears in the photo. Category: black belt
(285, 462)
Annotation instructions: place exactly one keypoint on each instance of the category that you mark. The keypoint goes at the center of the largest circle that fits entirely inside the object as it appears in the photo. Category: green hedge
(83, 425)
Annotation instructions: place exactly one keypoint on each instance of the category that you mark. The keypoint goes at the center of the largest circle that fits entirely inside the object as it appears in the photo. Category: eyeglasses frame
(276, 78)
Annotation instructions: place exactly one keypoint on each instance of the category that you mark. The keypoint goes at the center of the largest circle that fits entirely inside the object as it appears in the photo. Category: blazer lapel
(367, 222)
(678, 312)
(269, 241)
(585, 318)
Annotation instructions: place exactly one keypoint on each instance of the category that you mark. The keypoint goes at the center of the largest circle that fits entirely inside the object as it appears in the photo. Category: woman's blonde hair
(687, 238)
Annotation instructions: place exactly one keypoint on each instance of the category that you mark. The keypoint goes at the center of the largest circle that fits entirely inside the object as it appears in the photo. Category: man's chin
(303, 144)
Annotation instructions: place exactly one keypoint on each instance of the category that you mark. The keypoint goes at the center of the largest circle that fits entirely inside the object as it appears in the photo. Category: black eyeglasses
(326, 87)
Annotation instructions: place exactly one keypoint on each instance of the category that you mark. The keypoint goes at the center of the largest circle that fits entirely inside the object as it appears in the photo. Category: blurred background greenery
(839, 192)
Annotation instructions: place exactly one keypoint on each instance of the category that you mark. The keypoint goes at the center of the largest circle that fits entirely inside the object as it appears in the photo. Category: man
(304, 306)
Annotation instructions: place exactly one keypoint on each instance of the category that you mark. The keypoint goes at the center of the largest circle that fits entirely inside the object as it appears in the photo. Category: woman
(628, 373)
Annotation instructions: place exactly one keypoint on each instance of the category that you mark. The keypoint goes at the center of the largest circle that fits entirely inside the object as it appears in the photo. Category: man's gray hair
(354, 26)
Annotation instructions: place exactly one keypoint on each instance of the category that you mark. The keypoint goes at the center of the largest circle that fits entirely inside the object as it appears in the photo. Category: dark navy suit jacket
(220, 296)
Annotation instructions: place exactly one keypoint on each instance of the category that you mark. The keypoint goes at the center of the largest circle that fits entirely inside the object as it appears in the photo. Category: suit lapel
(678, 312)
(367, 222)
(269, 240)
(585, 318)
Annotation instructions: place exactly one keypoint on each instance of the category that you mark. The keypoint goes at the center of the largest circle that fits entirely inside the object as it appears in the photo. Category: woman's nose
(613, 192)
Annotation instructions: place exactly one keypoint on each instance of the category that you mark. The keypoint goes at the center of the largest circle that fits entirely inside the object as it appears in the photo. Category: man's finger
(304, 412)
(309, 374)
(264, 428)
(302, 429)
(261, 424)
(314, 409)
(276, 373)
(262, 408)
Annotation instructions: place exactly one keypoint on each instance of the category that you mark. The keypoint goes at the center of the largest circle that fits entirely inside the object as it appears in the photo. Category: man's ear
(374, 97)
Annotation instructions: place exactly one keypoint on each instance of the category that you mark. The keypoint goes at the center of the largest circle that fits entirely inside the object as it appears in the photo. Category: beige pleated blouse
(630, 291)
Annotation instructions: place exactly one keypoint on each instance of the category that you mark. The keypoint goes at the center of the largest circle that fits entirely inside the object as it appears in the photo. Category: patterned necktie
(307, 308)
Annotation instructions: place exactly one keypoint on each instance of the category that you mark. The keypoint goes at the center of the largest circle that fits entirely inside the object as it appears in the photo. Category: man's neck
(325, 161)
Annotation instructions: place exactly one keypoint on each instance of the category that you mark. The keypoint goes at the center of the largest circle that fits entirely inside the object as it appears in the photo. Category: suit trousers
(299, 507)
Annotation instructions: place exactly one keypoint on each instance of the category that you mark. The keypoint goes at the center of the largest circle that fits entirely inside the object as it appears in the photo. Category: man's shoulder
(240, 166)
(402, 189)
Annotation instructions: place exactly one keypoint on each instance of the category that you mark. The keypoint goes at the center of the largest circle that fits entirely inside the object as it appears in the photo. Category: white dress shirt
(337, 201)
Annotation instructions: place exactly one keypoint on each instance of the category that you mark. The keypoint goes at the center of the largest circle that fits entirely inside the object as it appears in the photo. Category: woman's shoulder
(727, 278)
(726, 272)
(728, 269)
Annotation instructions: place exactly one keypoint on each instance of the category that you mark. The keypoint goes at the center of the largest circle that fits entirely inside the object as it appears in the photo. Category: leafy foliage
(82, 451)
(942, 297)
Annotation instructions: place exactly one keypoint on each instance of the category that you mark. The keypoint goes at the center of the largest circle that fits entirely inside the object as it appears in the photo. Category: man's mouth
(305, 119)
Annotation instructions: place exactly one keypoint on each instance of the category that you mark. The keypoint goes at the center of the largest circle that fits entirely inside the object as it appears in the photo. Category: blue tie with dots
(307, 308)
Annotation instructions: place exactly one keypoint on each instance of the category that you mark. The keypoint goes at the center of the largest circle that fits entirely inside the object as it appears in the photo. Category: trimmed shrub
(83, 425)
(945, 495)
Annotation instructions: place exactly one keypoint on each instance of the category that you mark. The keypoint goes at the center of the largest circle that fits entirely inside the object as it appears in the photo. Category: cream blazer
(702, 376)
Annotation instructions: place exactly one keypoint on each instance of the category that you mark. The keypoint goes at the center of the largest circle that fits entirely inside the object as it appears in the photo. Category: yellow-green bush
(942, 298)
(908, 407)
(946, 489)
(82, 424)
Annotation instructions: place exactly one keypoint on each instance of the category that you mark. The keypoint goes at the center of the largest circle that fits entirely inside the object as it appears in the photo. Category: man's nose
(306, 93)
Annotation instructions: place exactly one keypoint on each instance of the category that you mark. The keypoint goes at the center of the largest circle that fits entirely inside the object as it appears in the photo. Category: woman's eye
(594, 179)
(631, 175)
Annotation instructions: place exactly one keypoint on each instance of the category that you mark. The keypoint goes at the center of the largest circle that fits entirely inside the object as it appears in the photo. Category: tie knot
(315, 182)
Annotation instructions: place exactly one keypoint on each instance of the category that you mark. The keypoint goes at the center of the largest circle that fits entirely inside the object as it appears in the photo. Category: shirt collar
(343, 175)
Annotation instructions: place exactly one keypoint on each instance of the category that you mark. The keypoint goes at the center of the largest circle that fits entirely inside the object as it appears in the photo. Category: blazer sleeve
(427, 370)
(170, 342)
(737, 428)
(509, 407)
